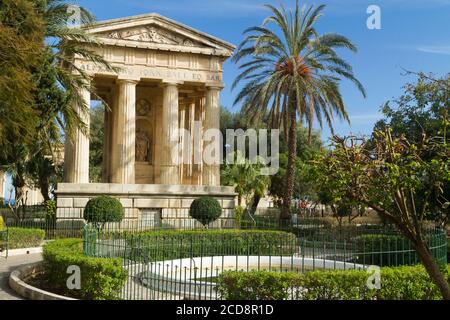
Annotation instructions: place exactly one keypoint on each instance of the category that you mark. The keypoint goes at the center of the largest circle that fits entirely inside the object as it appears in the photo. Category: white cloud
(435, 49)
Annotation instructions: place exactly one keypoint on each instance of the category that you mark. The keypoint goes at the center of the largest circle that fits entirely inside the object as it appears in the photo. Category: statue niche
(143, 131)
(143, 143)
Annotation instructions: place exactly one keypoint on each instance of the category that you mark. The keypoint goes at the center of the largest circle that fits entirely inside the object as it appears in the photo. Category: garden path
(9, 265)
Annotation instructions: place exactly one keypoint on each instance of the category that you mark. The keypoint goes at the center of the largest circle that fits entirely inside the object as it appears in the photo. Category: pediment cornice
(153, 31)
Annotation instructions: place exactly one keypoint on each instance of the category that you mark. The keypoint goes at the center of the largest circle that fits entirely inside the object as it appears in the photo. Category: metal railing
(184, 264)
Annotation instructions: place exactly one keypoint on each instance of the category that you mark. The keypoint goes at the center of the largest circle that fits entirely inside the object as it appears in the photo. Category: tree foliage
(21, 42)
(305, 185)
(291, 71)
(96, 143)
(246, 177)
(39, 84)
(397, 178)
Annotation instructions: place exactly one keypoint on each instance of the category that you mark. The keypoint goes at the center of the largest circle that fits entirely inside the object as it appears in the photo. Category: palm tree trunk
(255, 202)
(44, 187)
(292, 154)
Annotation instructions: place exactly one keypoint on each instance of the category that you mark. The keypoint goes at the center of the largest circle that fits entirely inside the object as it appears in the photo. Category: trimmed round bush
(103, 209)
(205, 210)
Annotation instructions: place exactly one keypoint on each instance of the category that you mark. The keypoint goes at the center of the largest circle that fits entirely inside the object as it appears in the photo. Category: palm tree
(246, 178)
(64, 42)
(57, 86)
(292, 72)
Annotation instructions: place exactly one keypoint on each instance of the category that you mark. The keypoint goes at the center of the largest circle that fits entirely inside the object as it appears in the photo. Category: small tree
(245, 176)
(103, 209)
(205, 210)
(387, 174)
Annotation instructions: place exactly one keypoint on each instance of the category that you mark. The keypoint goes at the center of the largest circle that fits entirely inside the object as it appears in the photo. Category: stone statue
(142, 147)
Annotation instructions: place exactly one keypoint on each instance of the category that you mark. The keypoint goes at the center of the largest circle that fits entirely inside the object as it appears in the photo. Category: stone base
(146, 204)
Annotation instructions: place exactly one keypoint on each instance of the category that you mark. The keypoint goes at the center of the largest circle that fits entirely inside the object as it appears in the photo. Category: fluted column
(76, 151)
(169, 157)
(211, 172)
(190, 153)
(197, 137)
(124, 136)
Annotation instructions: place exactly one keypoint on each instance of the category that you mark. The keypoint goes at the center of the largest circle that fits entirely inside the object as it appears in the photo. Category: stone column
(169, 157)
(76, 151)
(107, 131)
(124, 133)
(211, 172)
(197, 150)
(182, 142)
(190, 153)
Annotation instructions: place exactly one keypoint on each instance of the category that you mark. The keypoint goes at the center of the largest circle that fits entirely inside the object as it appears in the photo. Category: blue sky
(415, 35)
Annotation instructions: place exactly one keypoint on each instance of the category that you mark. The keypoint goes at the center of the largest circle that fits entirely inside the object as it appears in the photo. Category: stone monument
(169, 77)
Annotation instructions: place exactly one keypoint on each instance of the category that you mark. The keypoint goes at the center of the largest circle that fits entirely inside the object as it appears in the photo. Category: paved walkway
(7, 266)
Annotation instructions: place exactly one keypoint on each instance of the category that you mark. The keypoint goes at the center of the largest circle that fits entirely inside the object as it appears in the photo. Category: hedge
(101, 278)
(397, 283)
(177, 244)
(392, 250)
(25, 238)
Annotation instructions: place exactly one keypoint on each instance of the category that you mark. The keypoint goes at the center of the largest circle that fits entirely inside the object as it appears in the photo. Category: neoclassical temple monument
(168, 77)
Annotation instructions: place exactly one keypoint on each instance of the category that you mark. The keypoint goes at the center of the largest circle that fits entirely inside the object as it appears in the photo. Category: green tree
(396, 178)
(21, 41)
(291, 71)
(423, 109)
(304, 185)
(43, 173)
(245, 176)
(96, 143)
(55, 86)
(65, 42)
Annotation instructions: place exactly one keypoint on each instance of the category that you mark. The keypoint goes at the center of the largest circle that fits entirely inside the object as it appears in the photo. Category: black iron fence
(184, 264)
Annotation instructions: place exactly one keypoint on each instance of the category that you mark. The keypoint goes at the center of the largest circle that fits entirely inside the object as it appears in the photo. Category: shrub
(103, 209)
(2, 223)
(205, 210)
(25, 238)
(403, 283)
(101, 278)
(177, 244)
(238, 214)
(50, 211)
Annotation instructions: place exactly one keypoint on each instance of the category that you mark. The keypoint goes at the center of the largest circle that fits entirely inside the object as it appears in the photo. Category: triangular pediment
(148, 31)
(151, 33)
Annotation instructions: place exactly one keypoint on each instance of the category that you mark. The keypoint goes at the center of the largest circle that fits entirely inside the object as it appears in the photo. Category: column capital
(214, 87)
(169, 83)
(129, 81)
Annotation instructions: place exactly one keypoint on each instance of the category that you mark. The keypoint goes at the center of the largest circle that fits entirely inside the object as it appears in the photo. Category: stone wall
(169, 203)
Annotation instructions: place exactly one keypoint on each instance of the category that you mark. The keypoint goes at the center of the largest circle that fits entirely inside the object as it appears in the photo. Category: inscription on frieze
(156, 73)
